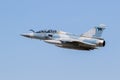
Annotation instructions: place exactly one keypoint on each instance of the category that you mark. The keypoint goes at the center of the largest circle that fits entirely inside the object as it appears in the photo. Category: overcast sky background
(27, 59)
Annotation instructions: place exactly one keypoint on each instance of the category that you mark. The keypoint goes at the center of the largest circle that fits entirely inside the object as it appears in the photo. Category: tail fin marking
(95, 32)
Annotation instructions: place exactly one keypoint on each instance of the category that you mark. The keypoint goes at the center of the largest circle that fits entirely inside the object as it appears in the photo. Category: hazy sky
(29, 59)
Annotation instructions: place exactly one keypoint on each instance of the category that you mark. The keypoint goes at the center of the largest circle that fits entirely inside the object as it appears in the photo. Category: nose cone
(28, 35)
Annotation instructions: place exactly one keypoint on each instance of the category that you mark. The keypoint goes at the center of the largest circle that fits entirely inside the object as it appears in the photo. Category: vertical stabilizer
(95, 32)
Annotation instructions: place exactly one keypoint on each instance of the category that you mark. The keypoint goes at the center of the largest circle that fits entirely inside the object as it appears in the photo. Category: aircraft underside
(75, 46)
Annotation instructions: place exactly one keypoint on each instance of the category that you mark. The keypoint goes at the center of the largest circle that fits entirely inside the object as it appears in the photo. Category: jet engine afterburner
(101, 43)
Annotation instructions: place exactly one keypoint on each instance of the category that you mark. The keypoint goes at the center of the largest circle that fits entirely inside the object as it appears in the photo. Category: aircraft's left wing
(83, 44)
(79, 43)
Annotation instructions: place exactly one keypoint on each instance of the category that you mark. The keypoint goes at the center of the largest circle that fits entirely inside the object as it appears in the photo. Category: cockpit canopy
(47, 31)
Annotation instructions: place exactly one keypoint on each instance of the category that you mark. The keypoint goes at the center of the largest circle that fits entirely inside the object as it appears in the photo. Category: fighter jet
(87, 41)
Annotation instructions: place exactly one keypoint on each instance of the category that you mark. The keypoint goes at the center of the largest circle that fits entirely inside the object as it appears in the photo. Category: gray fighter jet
(86, 41)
